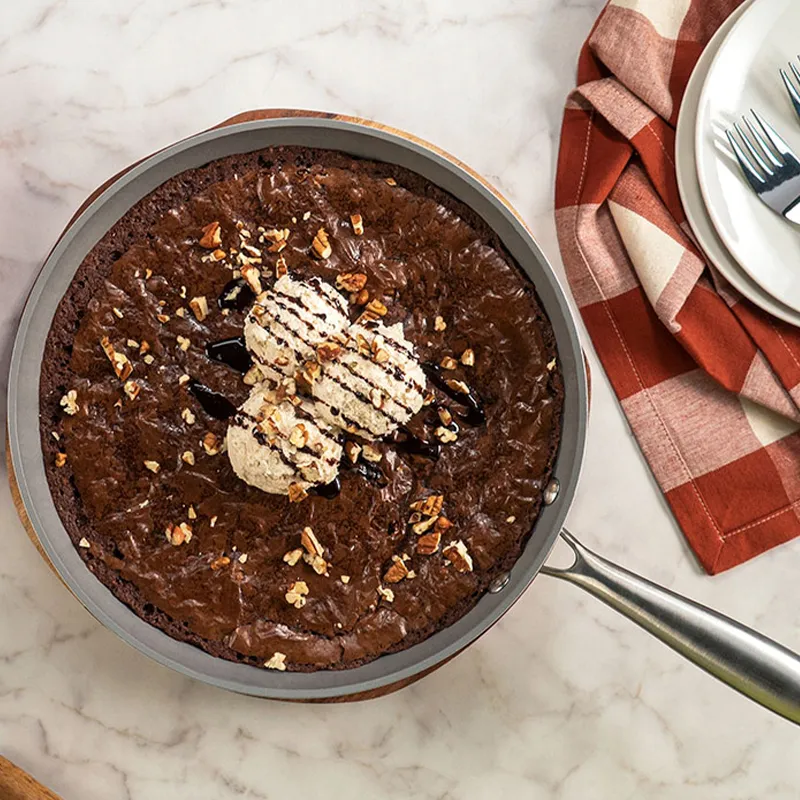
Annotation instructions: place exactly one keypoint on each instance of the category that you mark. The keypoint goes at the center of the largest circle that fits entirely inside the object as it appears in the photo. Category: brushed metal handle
(754, 665)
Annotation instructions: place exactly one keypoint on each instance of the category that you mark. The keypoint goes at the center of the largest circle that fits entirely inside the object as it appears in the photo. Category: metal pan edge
(23, 403)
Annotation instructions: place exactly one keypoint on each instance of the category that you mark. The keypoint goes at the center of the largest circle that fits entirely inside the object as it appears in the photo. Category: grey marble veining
(562, 699)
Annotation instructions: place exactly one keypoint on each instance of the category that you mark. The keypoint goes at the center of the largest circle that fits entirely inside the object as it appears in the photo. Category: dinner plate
(744, 75)
(689, 186)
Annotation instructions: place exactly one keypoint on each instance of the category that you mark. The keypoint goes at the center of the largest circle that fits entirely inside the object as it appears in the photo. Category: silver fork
(769, 165)
(791, 86)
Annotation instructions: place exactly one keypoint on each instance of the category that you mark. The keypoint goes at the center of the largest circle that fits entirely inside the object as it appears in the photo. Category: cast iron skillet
(752, 664)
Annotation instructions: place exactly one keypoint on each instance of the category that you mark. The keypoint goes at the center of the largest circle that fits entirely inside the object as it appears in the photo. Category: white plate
(689, 186)
(743, 75)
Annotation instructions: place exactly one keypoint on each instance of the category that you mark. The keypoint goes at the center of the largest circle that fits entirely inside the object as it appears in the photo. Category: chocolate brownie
(408, 540)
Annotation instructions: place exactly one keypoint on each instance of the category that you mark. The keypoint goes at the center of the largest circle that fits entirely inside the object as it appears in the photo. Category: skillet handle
(754, 665)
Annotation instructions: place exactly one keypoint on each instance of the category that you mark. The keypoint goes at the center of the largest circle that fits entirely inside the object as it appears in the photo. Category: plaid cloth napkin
(710, 383)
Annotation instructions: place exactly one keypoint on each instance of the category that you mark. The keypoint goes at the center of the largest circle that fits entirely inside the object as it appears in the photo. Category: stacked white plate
(756, 250)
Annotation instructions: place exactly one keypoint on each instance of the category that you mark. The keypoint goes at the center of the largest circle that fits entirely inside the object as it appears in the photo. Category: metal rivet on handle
(551, 492)
(499, 583)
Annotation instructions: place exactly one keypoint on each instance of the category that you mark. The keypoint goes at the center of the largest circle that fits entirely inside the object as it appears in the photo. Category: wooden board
(16, 784)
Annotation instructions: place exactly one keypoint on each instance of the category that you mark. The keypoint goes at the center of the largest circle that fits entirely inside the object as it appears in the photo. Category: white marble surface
(563, 699)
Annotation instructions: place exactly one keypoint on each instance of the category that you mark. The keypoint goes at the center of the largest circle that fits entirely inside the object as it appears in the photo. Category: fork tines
(793, 86)
(764, 156)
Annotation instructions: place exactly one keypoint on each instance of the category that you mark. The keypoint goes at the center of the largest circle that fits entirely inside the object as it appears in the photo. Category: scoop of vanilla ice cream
(274, 442)
(365, 378)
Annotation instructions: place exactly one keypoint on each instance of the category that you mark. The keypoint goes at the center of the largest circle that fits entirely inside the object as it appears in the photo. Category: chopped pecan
(328, 351)
(372, 454)
(252, 276)
(468, 357)
(199, 306)
(187, 415)
(439, 324)
(69, 402)
(428, 543)
(297, 493)
(61, 459)
(352, 450)
(119, 361)
(358, 224)
(397, 571)
(321, 244)
(448, 362)
(211, 443)
(132, 389)
(299, 435)
(456, 553)
(277, 661)
(293, 556)
(220, 562)
(386, 594)
(278, 237)
(212, 236)
(153, 466)
(351, 281)
(445, 435)
(296, 594)
(179, 534)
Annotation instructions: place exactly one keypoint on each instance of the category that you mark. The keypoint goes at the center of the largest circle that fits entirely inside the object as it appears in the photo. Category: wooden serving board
(16, 784)
(247, 116)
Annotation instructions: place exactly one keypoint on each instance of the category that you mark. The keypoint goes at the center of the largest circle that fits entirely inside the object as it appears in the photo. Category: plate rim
(700, 130)
(694, 207)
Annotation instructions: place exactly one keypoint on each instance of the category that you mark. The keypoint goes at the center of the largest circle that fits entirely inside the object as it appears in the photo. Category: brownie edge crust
(439, 270)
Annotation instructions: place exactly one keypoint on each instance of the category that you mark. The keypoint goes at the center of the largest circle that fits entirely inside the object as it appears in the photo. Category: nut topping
(421, 527)
(187, 415)
(358, 224)
(391, 181)
(191, 513)
(179, 534)
(61, 459)
(448, 362)
(296, 594)
(371, 454)
(69, 402)
(397, 571)
(430, 506)
(352, 450)
(299, 436)
(212, 236)
(252, 276)
(439, 324)
(351, 281)
(359, 298)
(278, 237)
(153, 466)
(321, 244)
(328, 351)
(456, 553)
(445, 416)
(428, 544)
(132, 389)
(199, 306)
(280, 268)
(445, 435)
(211, 443)
(375, 306)
(183, 343)
(220, 562)
(293, 556)
(278, 662)
(386, 594)
(84, 543)
(297, 493)
(117, 313)
(163, 318)
(442, 524)
(458, 386)
(345, 579)
(468, 357)
(119, 361)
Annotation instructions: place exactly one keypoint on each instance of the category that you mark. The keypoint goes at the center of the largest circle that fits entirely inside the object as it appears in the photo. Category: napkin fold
(710, 383)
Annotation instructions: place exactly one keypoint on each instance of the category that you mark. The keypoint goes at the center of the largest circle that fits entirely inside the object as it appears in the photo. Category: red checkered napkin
(710, 383)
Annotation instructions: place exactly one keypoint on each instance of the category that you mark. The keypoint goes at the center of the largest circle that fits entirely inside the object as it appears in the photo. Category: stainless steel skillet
(752, 664)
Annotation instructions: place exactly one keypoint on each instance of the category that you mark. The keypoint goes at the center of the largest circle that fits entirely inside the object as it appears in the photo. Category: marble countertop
(563, 699)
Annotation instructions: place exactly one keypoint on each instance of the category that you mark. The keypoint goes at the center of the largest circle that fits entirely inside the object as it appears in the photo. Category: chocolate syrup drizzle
(236, 295)
(214, 404)
(475, 414)
(231, 352)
